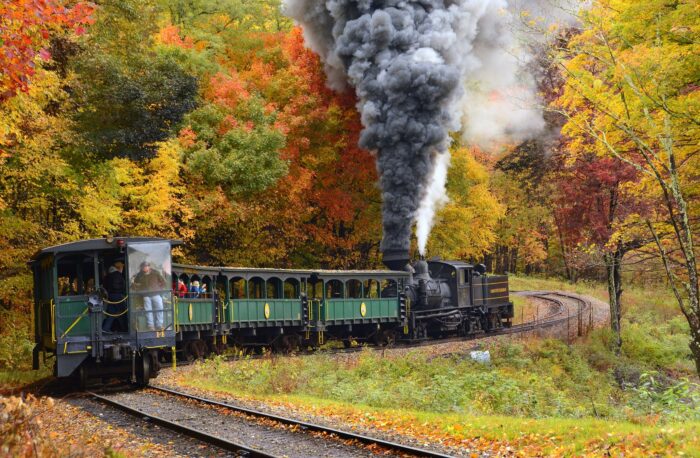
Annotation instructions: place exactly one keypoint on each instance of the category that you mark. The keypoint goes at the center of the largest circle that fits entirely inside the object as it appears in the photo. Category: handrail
(77, 320)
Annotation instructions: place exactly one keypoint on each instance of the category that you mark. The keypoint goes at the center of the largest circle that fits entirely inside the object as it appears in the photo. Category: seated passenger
(90, 286)
(195, 290)
(181, 288)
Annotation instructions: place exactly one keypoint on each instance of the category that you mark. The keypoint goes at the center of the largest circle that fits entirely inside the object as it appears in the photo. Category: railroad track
(245, 450)
(237, 448)
(561, 316)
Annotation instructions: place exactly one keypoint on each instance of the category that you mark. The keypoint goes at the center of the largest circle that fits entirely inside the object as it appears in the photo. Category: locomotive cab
(104, 306)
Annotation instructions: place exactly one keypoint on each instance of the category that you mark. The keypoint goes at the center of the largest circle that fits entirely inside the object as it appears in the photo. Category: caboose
(92, 330)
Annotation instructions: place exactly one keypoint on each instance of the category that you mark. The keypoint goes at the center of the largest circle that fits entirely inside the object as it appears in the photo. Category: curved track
(561, 316)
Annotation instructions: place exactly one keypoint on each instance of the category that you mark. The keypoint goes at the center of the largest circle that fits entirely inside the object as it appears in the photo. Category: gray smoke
(410, 62)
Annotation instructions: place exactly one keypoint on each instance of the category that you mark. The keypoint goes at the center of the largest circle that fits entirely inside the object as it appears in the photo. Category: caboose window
(149, 279)
(76, 275)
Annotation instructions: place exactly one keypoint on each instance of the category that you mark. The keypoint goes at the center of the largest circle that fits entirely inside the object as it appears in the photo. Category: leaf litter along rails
(248, 432)
(288, 382)
(44, 426)
(373, 442)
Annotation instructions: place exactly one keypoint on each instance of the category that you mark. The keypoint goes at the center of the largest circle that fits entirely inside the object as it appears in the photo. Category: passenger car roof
(270, 272)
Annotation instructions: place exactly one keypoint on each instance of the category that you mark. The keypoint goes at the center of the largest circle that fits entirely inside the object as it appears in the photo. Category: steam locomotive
(195, 310)
(452, 297)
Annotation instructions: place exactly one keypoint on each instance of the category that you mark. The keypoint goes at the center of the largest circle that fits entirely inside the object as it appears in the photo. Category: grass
(13, 379)
(270, 382)
(541, 397)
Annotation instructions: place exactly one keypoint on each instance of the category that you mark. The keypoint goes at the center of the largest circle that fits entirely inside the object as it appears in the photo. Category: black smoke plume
(419, 69)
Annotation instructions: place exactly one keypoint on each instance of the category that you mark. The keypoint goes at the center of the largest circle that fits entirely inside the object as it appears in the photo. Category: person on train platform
(150, 283)
(195, 289)
(115, 284)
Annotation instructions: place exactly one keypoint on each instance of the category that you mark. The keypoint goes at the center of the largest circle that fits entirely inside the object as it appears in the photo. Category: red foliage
(325, 199)
(591, 199)
(25, 28)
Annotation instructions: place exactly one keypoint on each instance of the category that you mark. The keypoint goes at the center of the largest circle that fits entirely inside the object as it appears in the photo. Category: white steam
(500, 104)
(435, 198)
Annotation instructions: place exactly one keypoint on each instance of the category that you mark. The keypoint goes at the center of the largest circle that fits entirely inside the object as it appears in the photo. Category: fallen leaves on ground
(45, 427)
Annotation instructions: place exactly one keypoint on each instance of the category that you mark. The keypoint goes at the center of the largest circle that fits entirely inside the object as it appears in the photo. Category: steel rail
(306, 425)
(182, 429)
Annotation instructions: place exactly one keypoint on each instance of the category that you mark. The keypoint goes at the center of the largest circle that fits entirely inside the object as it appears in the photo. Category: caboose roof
(96, 245)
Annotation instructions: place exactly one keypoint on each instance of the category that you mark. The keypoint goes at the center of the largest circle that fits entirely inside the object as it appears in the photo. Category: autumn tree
(130, 94)
(631, 94)
(597, 210)
(26, 28)
(521, 183)
(464, 228)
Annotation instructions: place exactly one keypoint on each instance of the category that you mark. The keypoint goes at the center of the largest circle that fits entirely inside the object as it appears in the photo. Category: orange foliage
(25, 29)
(170, 35)
(226, 90)
(328, 203)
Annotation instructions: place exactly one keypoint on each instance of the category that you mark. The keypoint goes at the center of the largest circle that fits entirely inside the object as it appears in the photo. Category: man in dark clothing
(115, 284)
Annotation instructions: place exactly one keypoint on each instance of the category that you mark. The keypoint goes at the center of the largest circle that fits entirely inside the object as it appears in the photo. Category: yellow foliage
(464, 228)
(151, 195)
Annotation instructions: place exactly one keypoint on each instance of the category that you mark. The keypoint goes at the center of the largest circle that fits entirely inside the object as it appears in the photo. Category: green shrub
(16, 343)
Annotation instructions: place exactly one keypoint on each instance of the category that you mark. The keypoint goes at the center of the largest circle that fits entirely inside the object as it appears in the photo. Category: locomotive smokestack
(396, 259)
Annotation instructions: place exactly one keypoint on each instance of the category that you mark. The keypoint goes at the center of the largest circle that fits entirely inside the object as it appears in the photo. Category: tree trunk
(695, 345)
(613, 267)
